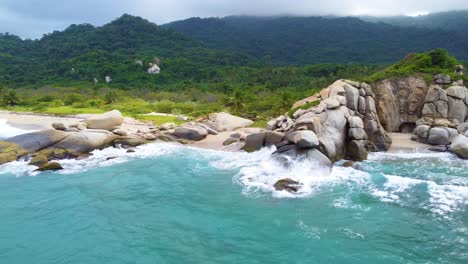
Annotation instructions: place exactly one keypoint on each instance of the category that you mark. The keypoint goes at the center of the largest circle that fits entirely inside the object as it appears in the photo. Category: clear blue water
(168, 204)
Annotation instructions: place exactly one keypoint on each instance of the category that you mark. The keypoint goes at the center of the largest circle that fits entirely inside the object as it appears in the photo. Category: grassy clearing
(425, 64)
(260, 124)
(159, 120)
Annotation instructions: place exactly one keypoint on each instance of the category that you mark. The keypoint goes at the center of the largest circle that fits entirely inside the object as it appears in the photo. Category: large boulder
(86, 141)
(352, 97)
(457, 109)
(357, 134)
(273, 138)
(422, 131)
(458, 92)
(303, 139)
(195, 133)
(227, 122)
(439, 136)
(107, 121)
(357, 150)
(35, 141)
(355, 122)
(254, 142)
(130, 141)
(333, 139)
(460, 146)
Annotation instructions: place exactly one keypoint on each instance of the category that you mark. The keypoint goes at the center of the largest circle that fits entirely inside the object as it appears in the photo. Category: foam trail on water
(259, 171)
(7, 131)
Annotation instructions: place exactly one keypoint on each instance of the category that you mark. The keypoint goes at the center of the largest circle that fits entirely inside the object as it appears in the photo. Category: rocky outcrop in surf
(342, 123)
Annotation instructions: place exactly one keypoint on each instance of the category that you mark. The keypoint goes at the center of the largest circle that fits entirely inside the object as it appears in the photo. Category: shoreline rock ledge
(62, 141)
(78, 140)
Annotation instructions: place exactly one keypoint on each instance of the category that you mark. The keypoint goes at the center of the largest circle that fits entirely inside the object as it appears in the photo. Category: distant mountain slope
(305, 40)
(452, 20)
(84, 52)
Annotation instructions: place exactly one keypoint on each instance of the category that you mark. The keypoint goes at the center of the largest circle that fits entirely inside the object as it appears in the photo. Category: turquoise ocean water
(170, 204)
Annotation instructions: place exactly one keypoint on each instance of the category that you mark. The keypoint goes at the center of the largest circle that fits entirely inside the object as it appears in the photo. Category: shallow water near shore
(173, 204)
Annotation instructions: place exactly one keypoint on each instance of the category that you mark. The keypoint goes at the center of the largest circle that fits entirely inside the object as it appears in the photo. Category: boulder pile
(444, 115)
(212, 125)
(344, 124)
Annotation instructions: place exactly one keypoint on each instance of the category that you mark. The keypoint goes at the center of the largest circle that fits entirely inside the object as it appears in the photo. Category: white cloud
(32, 18)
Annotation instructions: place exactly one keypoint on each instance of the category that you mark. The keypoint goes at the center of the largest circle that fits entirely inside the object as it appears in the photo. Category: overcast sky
(33, 18)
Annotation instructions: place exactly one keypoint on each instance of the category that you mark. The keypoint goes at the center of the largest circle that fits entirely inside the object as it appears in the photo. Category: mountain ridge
(319, 39)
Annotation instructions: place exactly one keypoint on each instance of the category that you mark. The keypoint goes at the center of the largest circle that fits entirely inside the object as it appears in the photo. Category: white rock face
(154, 69)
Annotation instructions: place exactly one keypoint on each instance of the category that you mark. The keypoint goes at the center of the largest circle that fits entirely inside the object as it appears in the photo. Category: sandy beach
(401, 142)
(35, 121)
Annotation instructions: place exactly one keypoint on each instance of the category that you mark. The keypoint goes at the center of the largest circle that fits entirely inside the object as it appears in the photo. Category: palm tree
(11, 98)
(285, 101)
(236, 102)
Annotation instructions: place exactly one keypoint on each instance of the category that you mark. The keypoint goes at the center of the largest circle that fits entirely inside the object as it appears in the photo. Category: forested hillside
(215, 53)
(305, 40)
(454, 21)
(84, 52)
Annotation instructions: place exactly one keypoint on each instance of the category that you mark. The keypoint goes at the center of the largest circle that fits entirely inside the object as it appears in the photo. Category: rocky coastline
(346, 120)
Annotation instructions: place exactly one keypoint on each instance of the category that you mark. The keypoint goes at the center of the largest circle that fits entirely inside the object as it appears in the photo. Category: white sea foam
(443, 199)
(7, 131)
(100, 158)
(257, 173)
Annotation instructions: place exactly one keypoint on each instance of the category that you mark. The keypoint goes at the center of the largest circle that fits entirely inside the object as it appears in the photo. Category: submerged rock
(51, 166)
(39, 160)
(287, 184)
